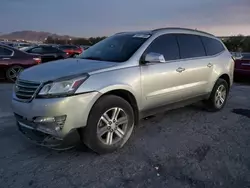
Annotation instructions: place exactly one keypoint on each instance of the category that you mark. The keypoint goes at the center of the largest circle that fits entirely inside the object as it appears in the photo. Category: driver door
(161, 82)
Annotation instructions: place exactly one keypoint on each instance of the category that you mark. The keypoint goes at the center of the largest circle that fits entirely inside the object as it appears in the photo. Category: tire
(91, 134)
(212, 103)
(13, 72)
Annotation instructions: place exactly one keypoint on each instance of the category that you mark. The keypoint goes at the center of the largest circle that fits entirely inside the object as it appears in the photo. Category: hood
(63, 68)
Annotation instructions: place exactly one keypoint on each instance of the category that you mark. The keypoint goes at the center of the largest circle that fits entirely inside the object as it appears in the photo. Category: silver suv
(100, 95)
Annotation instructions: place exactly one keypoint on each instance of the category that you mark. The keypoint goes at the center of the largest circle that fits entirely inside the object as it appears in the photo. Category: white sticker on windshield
(141, 36)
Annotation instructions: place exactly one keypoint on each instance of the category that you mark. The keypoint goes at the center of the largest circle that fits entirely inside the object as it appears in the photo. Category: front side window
(117, 48)
(165, 45)
(5, 52)
(190, 46)
(212, 46)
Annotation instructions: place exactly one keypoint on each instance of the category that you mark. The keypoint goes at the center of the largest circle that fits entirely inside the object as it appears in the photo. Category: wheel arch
(226, 78)
(127, 95)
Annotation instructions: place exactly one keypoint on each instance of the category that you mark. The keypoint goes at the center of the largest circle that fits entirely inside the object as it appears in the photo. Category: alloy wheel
(112, 126)
(220, 96)
(13, 73)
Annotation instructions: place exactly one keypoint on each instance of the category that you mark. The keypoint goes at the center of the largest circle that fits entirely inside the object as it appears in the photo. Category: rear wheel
(218, 97)
(13, 72)
(110, 124)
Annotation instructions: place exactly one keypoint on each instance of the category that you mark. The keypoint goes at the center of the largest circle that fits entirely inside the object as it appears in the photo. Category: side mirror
(154, 58)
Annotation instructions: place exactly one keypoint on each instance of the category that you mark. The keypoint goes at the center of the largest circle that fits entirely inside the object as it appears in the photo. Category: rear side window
(190, 46)
(166, 45)
(5, 52)
(212, 46)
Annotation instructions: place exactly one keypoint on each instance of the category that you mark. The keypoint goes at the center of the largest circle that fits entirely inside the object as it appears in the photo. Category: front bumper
(49, 141)
(75, 108)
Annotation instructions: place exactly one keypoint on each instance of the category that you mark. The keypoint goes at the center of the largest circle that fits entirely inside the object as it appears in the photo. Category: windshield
(117, 48)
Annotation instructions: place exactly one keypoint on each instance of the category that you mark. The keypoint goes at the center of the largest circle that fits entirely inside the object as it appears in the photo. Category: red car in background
(71, 50)
(13, 61)
(242, 65)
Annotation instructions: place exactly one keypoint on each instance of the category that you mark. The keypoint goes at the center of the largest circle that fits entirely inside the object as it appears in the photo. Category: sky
(85, 18)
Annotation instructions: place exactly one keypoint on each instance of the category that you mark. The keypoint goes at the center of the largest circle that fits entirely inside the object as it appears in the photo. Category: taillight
(37, 60)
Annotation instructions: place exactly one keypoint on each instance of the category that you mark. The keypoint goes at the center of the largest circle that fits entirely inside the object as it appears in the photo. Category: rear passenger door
(214, 48)
(196, 67)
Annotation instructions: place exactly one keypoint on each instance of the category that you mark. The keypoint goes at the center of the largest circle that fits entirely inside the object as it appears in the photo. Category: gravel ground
(188, 147)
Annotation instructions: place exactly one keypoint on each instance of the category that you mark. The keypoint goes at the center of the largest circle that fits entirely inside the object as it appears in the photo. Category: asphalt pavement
(182, 148)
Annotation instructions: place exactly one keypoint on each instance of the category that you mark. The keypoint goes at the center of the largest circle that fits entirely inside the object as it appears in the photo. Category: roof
(181, 29)
(176, 29)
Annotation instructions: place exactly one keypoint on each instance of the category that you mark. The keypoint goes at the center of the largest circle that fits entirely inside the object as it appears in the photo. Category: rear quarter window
(212, 46)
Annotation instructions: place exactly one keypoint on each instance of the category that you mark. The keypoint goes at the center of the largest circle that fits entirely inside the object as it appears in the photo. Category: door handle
(180, 69)
(209, 65)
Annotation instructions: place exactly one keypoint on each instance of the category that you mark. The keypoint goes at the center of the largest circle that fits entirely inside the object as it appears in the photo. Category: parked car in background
(47, 53)
(18, 45)
(100, 96)
(13, 61)
(242, 66)
(21, 45)
(236, 55)
(71, 50)
(11, 44)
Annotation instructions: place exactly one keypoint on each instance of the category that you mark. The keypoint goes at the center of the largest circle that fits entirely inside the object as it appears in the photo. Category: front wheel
(218, 96)
(110, 124)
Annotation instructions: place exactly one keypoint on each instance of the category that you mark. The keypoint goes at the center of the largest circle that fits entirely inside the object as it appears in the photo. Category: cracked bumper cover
(75, 108)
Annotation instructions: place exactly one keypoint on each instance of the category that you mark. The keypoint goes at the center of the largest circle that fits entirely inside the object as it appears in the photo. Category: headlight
(64, 87)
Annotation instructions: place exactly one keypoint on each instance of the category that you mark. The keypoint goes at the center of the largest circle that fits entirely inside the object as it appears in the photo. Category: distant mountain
(32, 35)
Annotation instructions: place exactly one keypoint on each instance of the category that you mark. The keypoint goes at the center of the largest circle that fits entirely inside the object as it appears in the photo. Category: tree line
(238, 43)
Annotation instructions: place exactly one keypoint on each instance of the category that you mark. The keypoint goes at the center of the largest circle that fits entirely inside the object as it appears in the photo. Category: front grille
(25, 90)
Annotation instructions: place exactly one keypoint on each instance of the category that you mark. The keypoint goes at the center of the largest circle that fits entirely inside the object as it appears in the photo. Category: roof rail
(187, 29)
